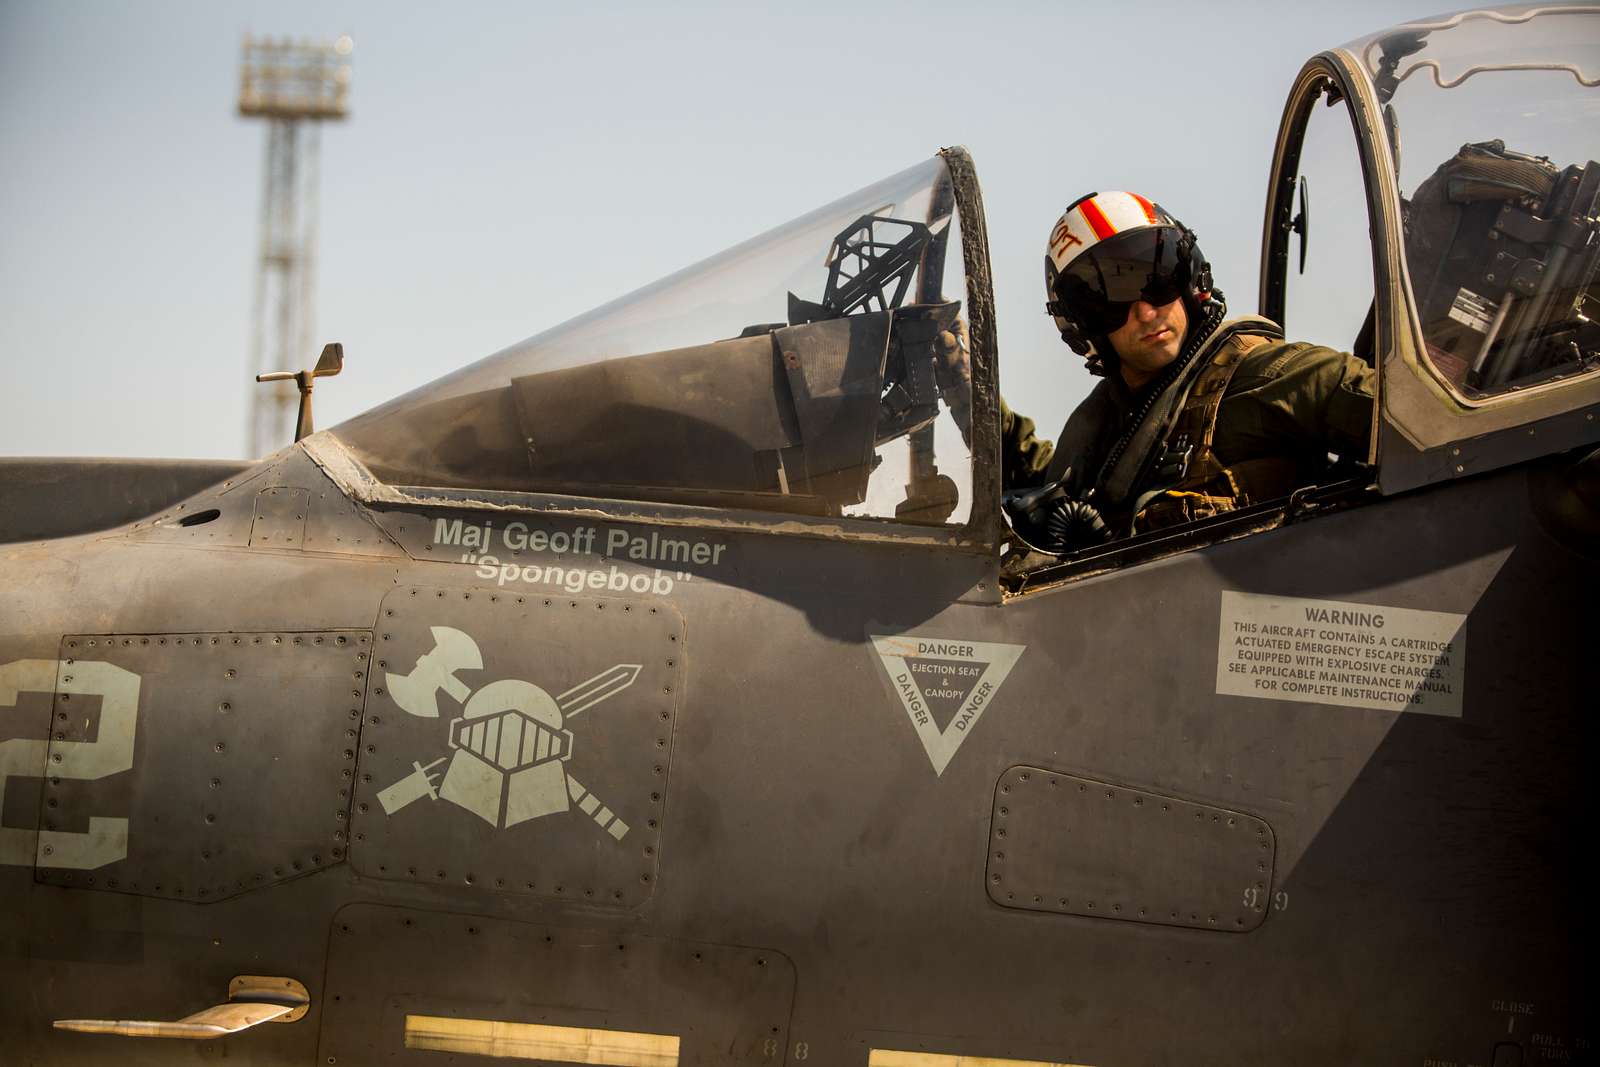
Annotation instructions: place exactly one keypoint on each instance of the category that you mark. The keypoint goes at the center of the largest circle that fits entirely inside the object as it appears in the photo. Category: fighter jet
(664, 689)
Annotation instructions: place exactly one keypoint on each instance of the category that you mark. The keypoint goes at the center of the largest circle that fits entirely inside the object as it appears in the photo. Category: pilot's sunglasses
(1099, 287)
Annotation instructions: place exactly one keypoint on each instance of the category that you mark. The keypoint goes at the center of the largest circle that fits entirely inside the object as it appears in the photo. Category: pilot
(1196, 415)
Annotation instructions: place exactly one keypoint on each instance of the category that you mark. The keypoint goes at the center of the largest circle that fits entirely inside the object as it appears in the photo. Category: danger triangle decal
(945, 684)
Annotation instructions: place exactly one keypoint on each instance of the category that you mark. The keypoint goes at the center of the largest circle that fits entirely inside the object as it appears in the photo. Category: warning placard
(1334, 652)
(944, 684)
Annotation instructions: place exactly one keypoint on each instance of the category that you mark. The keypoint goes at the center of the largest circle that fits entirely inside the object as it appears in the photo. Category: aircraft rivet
(56, 758)
(52, 802)
(60, 736)
(224, 706)
(1460, 469)
(210, 818)
(49, 850)
(219, 746)
(215, 782)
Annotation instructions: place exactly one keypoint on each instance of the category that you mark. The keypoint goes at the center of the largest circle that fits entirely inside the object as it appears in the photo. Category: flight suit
(1260, 418)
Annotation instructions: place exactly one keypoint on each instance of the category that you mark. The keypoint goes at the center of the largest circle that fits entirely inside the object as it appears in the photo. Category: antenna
(295, 85)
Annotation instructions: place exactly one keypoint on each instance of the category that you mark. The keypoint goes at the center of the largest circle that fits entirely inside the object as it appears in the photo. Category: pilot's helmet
(1105, 252)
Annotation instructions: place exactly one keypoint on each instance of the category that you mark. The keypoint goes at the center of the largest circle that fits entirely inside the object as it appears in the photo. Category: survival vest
(1204, 486)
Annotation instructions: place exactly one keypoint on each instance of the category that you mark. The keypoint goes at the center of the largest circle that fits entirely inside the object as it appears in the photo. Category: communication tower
(295, 85)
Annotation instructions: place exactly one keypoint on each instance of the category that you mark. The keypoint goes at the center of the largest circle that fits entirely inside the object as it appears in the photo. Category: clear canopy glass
(1494, 121)
(808, 370)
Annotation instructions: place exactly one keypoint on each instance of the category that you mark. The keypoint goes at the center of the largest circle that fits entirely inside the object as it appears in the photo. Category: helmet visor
(1099, 286)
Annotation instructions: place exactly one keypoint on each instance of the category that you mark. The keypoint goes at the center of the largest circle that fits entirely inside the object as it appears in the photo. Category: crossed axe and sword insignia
(509, 746)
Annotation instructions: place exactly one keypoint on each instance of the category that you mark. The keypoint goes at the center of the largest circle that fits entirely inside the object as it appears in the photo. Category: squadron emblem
(508, 750)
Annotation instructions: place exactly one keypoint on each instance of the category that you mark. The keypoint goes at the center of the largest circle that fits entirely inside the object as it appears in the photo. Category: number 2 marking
(81, 761)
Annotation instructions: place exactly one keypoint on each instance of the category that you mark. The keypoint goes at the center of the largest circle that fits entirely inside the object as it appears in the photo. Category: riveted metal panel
(1077, 846)
(200, 766)
(728, 1004)
(280, 518)
(335, 525)
(519, 743)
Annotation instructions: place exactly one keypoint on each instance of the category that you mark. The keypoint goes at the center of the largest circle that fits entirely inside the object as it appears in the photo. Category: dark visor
(1099, 286)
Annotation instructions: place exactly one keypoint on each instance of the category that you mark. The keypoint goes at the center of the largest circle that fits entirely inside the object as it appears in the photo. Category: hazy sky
(509, 166)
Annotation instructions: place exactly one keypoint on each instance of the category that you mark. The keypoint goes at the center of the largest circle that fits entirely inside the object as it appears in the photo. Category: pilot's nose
(1143, 311)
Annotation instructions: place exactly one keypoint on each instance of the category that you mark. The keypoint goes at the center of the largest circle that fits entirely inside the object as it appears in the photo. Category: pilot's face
(1149, 340)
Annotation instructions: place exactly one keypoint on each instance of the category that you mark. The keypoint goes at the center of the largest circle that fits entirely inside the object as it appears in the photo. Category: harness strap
(1207, 487)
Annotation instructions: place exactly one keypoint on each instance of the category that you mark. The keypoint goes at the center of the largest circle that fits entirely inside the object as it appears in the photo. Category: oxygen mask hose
(1074, 524)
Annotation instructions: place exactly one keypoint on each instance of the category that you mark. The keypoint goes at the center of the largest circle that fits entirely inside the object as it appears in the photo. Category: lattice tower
(295, 85)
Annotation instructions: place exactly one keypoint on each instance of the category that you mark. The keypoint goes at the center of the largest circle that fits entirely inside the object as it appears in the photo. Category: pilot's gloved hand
(953, 369)
(1049, 520)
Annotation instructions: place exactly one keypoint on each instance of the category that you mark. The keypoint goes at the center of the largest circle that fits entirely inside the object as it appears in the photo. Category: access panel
(519, 743)
(406, 985)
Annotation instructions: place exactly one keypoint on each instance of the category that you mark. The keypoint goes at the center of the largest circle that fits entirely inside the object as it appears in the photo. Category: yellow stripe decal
(534, 1041)
(888, 1057)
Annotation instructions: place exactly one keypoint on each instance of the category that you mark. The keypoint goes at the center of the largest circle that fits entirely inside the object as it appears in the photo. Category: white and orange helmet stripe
(1096, 217)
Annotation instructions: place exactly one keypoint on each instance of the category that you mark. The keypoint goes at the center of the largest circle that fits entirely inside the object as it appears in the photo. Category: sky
(508, 166)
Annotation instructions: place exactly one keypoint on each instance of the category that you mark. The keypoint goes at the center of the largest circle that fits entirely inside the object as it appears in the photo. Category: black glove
(1049, 520)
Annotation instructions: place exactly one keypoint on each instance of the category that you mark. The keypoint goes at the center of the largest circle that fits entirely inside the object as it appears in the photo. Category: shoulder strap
(1199, 420)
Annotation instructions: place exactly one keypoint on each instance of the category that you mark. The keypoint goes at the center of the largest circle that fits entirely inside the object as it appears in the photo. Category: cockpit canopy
(1491, 117)
(809, 370)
